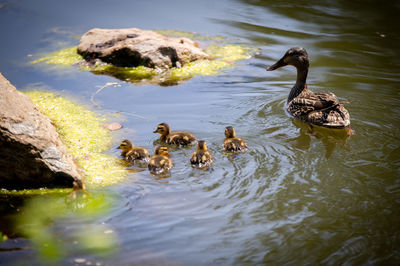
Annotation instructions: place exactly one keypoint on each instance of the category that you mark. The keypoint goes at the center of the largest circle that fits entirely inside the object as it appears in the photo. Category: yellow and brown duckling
(319, 108)
(132, 153)
(233, 143)
(202, 157)
(180, 138)
(160, 162)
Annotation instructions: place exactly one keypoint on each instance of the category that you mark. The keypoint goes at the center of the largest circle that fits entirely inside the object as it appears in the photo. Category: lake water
(295, 198)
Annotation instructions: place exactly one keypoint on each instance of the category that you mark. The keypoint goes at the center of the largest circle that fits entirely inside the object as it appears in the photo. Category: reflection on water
(50, 223)
(299, 196)
(330, 138)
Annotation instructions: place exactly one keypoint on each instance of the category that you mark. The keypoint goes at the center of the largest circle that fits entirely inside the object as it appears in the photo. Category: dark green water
(294, 198)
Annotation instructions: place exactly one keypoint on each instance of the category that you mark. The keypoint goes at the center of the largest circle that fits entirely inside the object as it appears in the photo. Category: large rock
(31, 152)
(135, 47)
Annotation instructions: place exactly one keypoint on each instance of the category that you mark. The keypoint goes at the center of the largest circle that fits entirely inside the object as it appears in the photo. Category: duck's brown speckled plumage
(132, 153)
(233, 143)
(319, 108)
(180, 138)
(160, 162)
(202, 157)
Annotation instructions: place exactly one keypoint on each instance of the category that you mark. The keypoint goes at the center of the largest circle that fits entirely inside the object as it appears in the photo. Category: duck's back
(335, 117)
(159, 164)
(201, 159)
(138, 154)
(320, 108)
(235, 144)
(182, 138)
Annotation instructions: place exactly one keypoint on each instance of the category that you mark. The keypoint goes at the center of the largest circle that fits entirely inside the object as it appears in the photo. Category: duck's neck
(164, 136)
(300, 83)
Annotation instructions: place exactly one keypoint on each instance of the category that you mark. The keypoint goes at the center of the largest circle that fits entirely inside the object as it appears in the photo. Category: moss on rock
(224, 56)
(86, 139)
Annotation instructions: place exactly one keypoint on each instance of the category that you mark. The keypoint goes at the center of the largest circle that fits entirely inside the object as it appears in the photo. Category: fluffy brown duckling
(160, 162)
(180, 138)
(233, 143)
(202, 157)
(132, 153)
(317, 108)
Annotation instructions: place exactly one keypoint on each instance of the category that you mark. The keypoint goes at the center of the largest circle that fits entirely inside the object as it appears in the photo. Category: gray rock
(31, 152)
(134, 47)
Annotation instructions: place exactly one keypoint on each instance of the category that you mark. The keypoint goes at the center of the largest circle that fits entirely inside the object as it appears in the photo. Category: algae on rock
(82, 132)
(223, 57)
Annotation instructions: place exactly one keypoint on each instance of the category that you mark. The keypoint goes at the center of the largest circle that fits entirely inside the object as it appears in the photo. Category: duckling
(132, 153)
(319, 108)
(180, 138)
(160, 163)
(202, 157)
(233, 143)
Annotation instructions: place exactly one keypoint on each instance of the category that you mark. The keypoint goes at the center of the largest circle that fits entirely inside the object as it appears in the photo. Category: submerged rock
(134, 47)
(32, 154)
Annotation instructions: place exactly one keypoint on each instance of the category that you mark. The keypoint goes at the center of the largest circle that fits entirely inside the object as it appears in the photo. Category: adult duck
(319, 108)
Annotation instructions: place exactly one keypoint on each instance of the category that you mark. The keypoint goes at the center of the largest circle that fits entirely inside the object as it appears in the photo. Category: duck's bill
(155, 131)
(277, 65)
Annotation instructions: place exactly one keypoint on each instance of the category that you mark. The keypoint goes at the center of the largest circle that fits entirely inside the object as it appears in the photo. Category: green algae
(85, 137)
(38, 214)
(189, 35)
(200, 67)
(223, 56)
(125, 73)
(229, 52)
(35, 192)
(64, 57)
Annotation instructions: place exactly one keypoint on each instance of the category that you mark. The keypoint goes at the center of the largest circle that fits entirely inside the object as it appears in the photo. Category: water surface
(297, 197)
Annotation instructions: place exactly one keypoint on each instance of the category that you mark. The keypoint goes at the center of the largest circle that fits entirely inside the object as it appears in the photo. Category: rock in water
(134, 47)
(31, 152)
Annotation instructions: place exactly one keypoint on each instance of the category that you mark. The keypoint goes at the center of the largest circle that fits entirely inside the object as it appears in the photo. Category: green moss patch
(82, 132)
(39, 213)
(223, 56)
(131, 74)
(190, 35)
(65, 57)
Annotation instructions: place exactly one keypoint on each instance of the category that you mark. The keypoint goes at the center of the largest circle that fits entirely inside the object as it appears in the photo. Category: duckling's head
(230, 132)
(161, 150)
(163, 129)
(125, 145)
(201, 145)
(296, 56)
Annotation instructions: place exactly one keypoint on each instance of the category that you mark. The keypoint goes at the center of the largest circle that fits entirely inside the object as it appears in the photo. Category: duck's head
(125, 145)
(230, 132)
(296, 56)
(161, 150)
(201, 145)
(163, 129)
